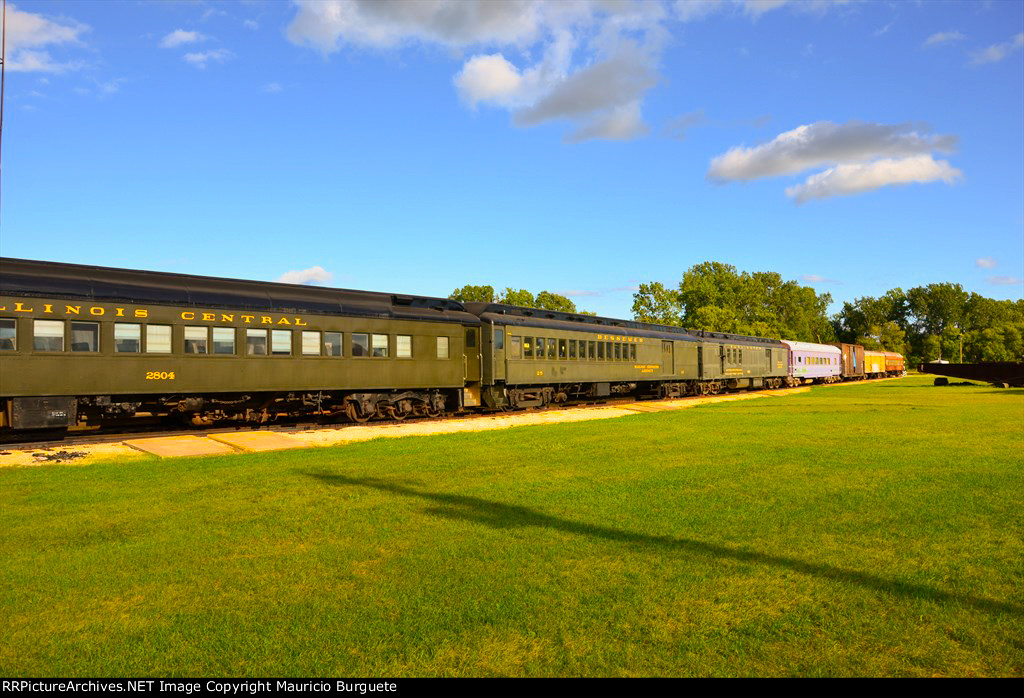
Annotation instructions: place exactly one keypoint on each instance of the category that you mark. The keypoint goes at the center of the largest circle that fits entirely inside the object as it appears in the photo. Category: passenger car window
(591, 350)
(48, 335)
(499, 339)
(256, 342)
(8, 334)
(223, 340)
(442, 347)
(333, 343)
(403, 346)
(600, 351)
(551, 349)
(572, 348)
(380, 345)
(360, 344)
(85, 336)
(281, 342)
(470, 338)
(632, 352)
(127, 338)
(515, 347)
(563, 349)
(196, 340)
(158, 339)
(540, 347)
(310, 343)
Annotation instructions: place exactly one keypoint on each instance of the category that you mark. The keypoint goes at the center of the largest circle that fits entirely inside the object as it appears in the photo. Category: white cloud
(678, 127)
(1005, 281)
(692, 10)
(325, 24)
(272, 87)
(943, 38)
(612, 84)
(818, 279)
(489, 78)
(200, 59)
(824, 143)
(997, 52)
(180, 36)
(986, 262)
(251, 24)
(27, 33)
(596, 60)
(858, 157)
(844, 180)
(621, 123)
(311, 276)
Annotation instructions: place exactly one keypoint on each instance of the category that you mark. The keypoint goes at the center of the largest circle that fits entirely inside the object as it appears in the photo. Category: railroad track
(71, 439)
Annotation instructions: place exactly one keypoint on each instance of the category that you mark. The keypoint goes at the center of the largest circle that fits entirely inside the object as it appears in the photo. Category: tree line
(937, 321)
(545, 300)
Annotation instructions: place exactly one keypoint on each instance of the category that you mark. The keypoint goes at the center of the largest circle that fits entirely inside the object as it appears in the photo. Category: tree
(522, 298)
(468, 294)
(552, 301)
(654, 303)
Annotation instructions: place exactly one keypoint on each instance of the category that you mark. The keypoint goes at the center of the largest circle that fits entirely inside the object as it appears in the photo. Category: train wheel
(353, 413)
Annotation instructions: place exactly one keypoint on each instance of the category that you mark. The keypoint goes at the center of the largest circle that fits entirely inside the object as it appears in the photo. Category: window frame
(13, 337)
(324, 344)
(398, 346)
(170, 338)
(136, 338)
(276, 334)
(255, 332)
(205, 340)
(214, 341)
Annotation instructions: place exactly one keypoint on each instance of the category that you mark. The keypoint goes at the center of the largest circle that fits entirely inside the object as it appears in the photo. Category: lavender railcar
(815, 363)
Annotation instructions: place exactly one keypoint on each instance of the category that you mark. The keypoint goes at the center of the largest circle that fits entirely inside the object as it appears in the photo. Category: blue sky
(576, 147)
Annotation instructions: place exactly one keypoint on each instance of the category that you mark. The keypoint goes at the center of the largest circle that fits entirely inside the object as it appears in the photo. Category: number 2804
(159, 375)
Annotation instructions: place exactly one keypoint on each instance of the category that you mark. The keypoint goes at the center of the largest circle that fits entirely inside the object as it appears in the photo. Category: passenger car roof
(30, 278)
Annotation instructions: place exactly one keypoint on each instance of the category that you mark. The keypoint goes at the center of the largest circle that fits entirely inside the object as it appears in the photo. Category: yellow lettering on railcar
(141, 312)
(159, 375)
(188, 315)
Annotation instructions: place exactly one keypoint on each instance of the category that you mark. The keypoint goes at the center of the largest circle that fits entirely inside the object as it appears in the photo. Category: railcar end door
(471, 357)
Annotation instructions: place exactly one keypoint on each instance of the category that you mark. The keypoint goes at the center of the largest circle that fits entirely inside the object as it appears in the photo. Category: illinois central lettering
(192, 315)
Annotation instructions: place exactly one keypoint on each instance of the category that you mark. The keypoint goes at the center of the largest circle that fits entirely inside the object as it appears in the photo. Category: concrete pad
(259, 440)
(172, 446)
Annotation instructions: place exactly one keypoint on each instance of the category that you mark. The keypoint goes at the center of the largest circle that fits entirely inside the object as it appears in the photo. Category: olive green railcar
(535, 357)
(733, 362)
(81, 343)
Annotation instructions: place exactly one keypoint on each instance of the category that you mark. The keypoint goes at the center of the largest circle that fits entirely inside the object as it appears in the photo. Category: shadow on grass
(498, 515)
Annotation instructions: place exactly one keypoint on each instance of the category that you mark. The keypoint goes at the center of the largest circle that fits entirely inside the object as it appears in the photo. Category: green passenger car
(79, 344)
(537, 357)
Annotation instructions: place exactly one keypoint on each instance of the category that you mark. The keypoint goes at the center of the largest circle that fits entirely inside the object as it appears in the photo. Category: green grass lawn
(859, 530)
